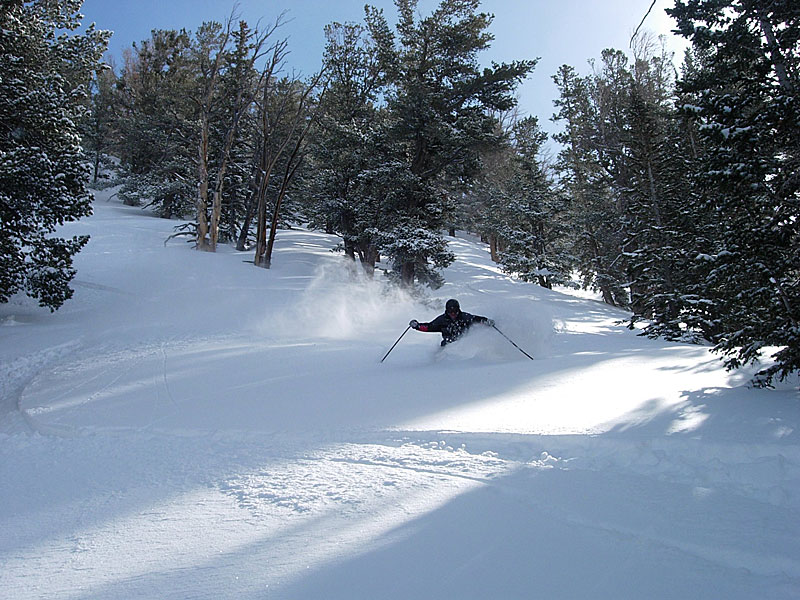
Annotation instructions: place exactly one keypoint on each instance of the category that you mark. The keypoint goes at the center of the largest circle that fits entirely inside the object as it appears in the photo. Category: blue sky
(565, 32)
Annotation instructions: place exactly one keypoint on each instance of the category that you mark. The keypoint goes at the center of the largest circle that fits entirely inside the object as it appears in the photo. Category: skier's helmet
(452, 306)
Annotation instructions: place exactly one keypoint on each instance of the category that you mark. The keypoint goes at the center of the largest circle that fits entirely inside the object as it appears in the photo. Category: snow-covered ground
(189, 426)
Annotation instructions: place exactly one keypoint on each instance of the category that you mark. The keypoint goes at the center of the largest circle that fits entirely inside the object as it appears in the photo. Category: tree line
(674, 194)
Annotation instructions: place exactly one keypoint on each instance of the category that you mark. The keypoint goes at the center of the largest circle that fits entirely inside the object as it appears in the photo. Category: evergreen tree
(235, 131)
(661, 222)
(155, 124)
(521, 212)
(225, 89)
(208, 57)
(43, 90)
(97, 127)
(482, 207)
(626, 165)
(746, 102)
(439, 105)
(585, 168)
(343, 149)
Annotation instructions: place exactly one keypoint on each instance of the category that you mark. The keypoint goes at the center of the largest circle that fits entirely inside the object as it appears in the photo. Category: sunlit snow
(189, 426)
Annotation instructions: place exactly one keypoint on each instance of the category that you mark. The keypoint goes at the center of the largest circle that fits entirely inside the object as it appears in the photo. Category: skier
(452, 324)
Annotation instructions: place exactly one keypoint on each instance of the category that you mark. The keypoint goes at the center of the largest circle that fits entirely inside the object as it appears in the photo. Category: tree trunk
(350, 250)
(202, 189)
(249, 212)
(371, 256)
(287, 178)
(778, 60)
(293, 162)
(493, 252)
(261, 233)
(96, 165)
(407, 273)
(266, 260)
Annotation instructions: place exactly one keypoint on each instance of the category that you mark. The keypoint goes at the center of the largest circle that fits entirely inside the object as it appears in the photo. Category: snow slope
(191, 427)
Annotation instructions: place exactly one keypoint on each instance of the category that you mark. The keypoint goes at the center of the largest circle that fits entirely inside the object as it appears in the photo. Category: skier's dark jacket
(451, 329)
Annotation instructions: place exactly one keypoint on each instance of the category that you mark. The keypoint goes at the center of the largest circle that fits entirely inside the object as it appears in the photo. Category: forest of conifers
(674, 193)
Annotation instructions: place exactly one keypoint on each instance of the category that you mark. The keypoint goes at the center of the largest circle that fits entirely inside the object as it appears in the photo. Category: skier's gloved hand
(414, 324)
(490, 322)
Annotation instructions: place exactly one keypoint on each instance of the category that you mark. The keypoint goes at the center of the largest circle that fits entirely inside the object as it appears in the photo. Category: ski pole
(512, 343)
(397, 342)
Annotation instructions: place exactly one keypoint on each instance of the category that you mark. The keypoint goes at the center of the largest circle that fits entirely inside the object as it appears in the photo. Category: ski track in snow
(140, 459)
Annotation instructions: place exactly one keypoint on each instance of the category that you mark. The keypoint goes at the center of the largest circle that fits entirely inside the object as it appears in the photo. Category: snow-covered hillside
(189, 426)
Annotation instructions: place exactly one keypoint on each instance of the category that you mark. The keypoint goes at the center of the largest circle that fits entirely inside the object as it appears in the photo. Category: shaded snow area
(189, 426)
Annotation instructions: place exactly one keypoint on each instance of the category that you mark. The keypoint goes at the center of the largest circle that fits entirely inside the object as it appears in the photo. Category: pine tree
(343, 146)
(155, 124)
(225, 89)
(661, 223)
(97, 127)
(234, 136)
(746, 102)
(586, 169)
(523, 211)
(43, 90)
(627, 166)
(439, 103)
